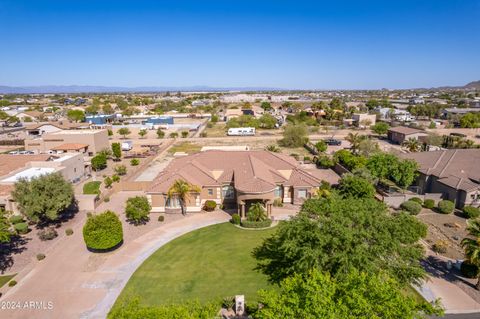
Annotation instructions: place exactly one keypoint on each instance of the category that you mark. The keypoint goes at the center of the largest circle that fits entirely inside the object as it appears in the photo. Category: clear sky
(284, 44)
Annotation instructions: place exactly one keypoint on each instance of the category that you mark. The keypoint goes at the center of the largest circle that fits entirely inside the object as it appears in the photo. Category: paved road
(460, 316)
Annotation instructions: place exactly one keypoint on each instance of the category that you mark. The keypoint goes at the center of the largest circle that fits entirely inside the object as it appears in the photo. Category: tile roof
(10, 163)
(457, 168)
(251, 171)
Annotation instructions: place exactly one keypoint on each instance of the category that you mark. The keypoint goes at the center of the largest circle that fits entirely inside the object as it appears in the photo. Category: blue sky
(284, 44)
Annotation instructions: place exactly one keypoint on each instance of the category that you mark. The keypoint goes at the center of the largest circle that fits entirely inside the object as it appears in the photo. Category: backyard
(210, 263)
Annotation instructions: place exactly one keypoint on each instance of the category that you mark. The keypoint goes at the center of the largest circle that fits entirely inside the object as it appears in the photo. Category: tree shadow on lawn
(437, 267)
(8, 250)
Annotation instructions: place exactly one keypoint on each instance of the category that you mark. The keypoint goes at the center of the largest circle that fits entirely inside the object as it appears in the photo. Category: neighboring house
(38, 129)
(71, 148)
(453, 173)
(33, 115)
(232, 113)
(399, 134)
(236, 179)
(96, 140)
(458, 111)
(364, 120)
(100, 119)
(14, 167)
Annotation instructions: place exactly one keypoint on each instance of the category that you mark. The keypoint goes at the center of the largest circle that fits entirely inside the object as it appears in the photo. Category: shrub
(209, 206)
(184, 134)
(277, 202)
(256, 224)
(92, 188)
(469, 270)
(412, 207)
(429, 203)
(41, 256)
(116, 178)
(12, 283)
(446, 206)
(228, 302)
(108, 181)
(416, 200)
(236, 219)
(471, 212)
(134, 162)
(161, 218)
(121, 170)
(15, 219)
(440, 247)
(21, 228)
(47, 234)
(99, 162)
(68, 231)
(106, 199)
(137, 209)
(103, 231)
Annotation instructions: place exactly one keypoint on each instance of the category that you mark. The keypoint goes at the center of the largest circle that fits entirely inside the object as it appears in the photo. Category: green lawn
(92, 188)
(186, 147)
(212, 262)
(5, 279)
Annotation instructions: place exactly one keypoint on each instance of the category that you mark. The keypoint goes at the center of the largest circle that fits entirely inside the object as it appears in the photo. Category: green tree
(107, 109)
(267, 121)
(470, 120)
(43, 198)
(471, 245)
(354, 139)
(338, 235)
(294, 136)
(137, 209)
(5, 233)
(116, 151)
(321, 146)
(108, 181)
(184, 134)
(160, 133)
(76, 115)
(358, 295)
(173, 135)
(103, 231)
(266, 106)
(404, 173)
(182, 190)
(214, 118)
(256, 213)
(120, 170)
(356, 187)
(367, 147)
(99, 162)
(124, 131)
(142, 133)
(380, 128)
(412, 145)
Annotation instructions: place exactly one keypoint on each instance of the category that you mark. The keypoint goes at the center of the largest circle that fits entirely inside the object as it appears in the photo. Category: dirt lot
(448, 228)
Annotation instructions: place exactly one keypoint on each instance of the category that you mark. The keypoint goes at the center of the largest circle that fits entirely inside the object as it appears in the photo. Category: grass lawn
(92, 188)
(218, 130)
(5, 279)
(186, 147)
(209, 263)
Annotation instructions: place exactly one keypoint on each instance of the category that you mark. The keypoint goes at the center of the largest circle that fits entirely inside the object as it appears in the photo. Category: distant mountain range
(473, 85)
(51, 89)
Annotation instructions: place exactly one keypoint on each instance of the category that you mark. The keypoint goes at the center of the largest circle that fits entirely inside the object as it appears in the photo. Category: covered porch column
(241, 209)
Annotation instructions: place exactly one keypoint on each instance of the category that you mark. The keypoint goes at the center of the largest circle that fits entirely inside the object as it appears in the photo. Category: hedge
(429, 203)
(469, 270)
(412, 207)
(259, 224)
(236, 219)
(209, 206)
(471, 212)
(416, 200)
(103, 231)
(446, 206)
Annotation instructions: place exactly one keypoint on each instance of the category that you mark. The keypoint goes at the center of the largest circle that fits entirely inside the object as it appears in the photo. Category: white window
(227, 191)
(302, 193)
(173, 202)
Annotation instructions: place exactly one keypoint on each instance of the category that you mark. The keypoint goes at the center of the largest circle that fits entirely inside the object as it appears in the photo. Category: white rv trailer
(241, 131)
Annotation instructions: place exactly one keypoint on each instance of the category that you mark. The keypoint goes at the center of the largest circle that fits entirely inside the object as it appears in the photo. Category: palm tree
(354, 139)
(256, 213)
(182, 190)
(472, 246)
(412, 145)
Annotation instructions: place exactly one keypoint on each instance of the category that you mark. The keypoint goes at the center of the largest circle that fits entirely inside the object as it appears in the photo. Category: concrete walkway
(75, 283)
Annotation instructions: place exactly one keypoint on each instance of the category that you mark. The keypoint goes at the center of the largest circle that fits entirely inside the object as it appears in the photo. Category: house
(399, 134)
(32, 115)
(364, 120)
(14, 167)
(454, 173)
(38, 129)
(100, 119)
(96, 140)
(232, 113)
(237, 179)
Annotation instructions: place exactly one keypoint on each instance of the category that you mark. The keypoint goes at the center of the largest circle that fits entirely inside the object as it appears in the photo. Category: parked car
(332, 141)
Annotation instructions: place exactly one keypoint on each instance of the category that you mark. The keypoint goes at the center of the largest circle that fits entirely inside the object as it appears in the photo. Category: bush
(21, 228)
(120, 170)
(103, 231)
(99, 162)
(12, 283)
(416, 200)
(134, 162)
(440, 247)
(116, 178)
(412, 207)
(228, 302)
(277, 202)
(256, 224)
(471, 212)
(68, 231)
(40, 257)
(184, 134)
(209, 206)
(429, 203)
(92, 188)
(469, 270)
(106, 199)
(47, 234)
(15, 219)
(236, 219)
(446, 206)
(137, 210)
(161, 218)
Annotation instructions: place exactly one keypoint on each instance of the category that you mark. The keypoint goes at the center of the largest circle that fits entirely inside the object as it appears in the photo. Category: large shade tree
(338, 235)
(471, 245)
(43, 198)
(182, 190)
